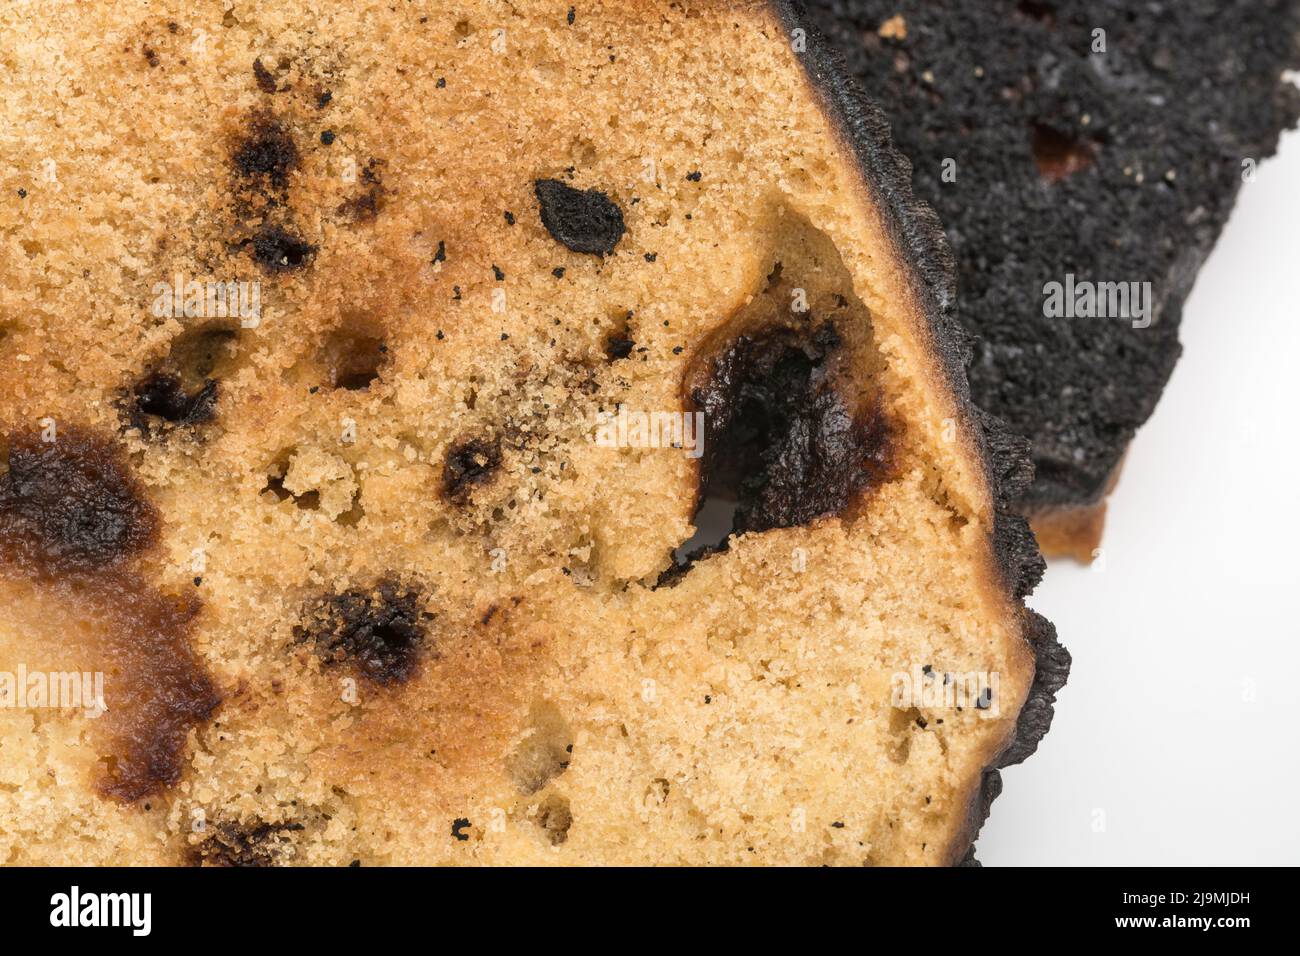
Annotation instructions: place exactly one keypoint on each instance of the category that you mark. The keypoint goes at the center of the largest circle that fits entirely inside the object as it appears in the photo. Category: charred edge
(381, 631)
(244, 845)
(916, 232)
(468, 465)
(1052, 669)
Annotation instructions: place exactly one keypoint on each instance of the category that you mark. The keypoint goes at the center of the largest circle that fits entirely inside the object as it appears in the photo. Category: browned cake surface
(361, 579)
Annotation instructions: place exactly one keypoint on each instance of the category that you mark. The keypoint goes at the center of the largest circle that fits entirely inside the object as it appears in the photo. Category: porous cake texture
(351, 361)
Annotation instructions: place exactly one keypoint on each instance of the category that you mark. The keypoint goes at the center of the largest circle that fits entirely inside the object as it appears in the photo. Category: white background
(1175, 741)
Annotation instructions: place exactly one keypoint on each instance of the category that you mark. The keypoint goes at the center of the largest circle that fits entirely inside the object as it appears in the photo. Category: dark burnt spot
(581, 220)
(363, 208)
(618, 347)
(245, 844)
(369, 203)
(469, 464)
(266, 150)
(458, 828)
(162, 396)
(1059, 155)
(779, 439)
(151, 56)
(381, 631)
(265, 81)
(72, 516)
(276, 250)
(162, 688)
(70, 505)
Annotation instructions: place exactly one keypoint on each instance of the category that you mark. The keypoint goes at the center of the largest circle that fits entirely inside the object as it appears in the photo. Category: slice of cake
(1083, 155)
(364, 366)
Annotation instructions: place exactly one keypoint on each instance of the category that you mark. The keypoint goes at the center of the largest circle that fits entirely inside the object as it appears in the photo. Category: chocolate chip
(458, 826)
(581, 220)
(327, 137)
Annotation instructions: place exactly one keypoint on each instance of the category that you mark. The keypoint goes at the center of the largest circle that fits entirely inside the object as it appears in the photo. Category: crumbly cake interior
(363, 583)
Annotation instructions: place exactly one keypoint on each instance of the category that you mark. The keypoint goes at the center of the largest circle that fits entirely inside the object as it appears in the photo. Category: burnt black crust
(918, 236)
(1114, 166)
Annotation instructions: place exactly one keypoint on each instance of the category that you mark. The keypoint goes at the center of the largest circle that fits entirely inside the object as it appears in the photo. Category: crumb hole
(353, 358)
(1059, 155)
(544, 752)
(555, 817)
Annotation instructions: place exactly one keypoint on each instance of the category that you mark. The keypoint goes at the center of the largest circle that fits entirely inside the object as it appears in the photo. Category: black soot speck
(581, 220)
(618, 347)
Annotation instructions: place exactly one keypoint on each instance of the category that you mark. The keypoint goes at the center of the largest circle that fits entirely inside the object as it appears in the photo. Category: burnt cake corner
(1075, 144)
